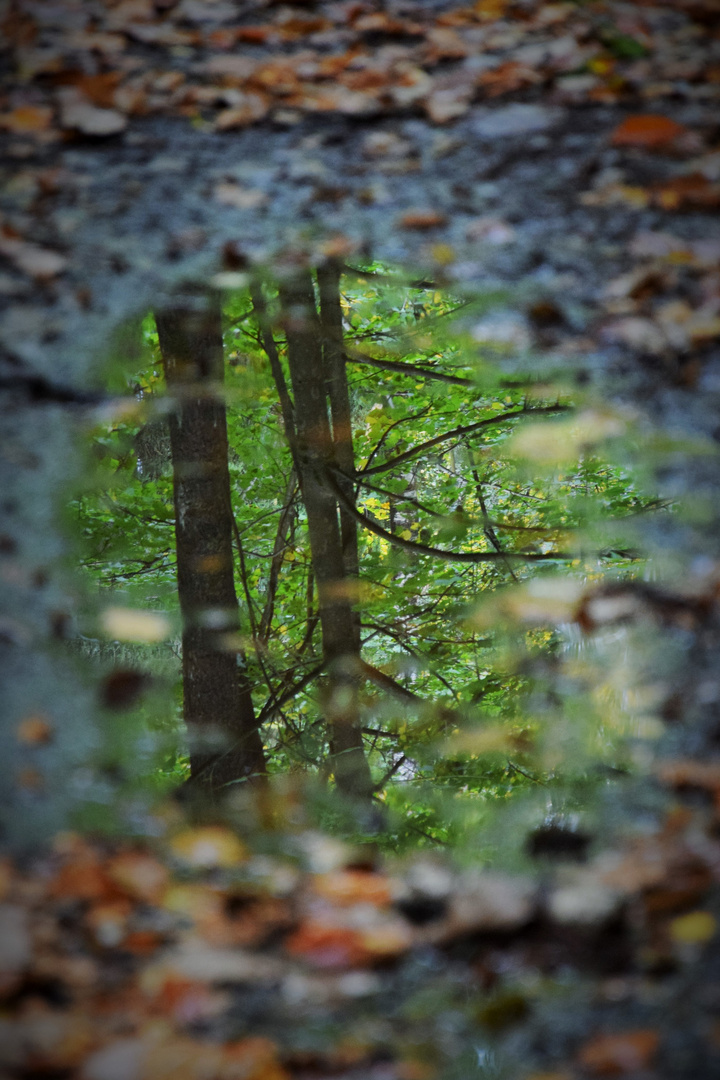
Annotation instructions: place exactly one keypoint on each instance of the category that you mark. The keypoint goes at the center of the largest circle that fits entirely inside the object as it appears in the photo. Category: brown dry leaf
(508, 77)
(96, 41)
(161, 34)
(208, 846)
(232, 194)
(161, 1054)
(79, 114)
(234, 70)
(422, 219)
(619, 1054)
(37, 262)
(47, 1040)
(490, 10)
(444, 43)
(638, 333)
(247, 109)
(27, 119)
(384, 23)
(97, 89)
(34, 730)
(337, 98)
(648, 131)
(445, 103)
(693, 192)
(139, 875)
(689, 773)
(409, 84)
(329, 946)
(353, 887)
(639, 283)
(83, 877)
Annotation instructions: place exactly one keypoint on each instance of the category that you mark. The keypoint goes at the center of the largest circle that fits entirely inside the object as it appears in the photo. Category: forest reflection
(352, 527)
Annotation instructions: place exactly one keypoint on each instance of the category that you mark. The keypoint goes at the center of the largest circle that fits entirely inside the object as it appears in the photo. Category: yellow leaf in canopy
(131, 624)
(208, 847)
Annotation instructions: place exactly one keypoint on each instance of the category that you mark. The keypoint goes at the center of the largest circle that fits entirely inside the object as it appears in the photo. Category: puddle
(372, 536)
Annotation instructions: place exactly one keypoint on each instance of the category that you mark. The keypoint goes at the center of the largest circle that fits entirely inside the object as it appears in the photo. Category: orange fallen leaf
(353, 887)
(327, 946)
(647, 131)
(688, 192)
(82, 878)
(619, 1054)
(422, 219)
(34, 731)
(27, 119)
(97, 89)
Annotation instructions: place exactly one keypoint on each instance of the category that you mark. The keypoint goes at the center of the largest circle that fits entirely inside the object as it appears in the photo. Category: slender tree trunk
(218, 709)
(315, 453)
(341, 416)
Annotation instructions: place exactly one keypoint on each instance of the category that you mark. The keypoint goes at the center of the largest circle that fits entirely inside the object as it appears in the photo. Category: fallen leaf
(247, 109)
(422, 219)
(27, 119)
(618, 1054)
(140, 875)
(208, 846)
(83, 877)
(353, 887)
(132, 624)
(490, 230)
(37, 262)
(242, 198)
(327, 946)
(484, 902)
(34, 731)
(693, 192)
(79, 114)
(15, 939)
(689, 773)
(695, 928)
(647, 131)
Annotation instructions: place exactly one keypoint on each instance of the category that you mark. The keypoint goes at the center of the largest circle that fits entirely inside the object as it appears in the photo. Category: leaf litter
(123, 960)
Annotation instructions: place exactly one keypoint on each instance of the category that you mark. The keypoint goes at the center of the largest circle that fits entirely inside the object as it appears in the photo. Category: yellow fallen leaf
(131, 624)
(693, 929)
(208, 846)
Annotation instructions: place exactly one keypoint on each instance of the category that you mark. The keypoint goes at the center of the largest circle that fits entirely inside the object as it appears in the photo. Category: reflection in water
(373, 538)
